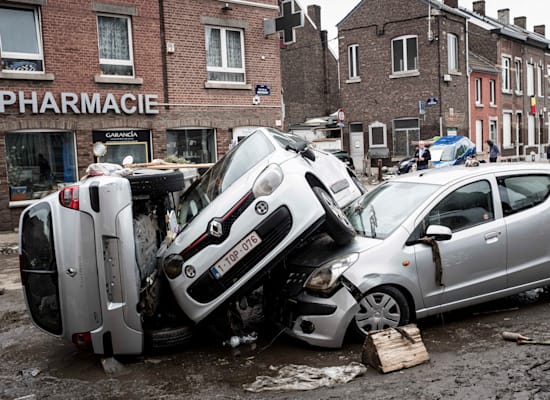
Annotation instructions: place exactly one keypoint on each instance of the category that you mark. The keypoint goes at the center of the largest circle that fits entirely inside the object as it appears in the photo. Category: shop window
(115, 45)
(194, 145)
(20, 40)
(121, 143)
(225, 55)
(39, 163)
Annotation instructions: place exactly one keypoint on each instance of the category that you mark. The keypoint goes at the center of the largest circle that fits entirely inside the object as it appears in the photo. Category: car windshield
(249, 152)
(442, 153)
(285, 139)
(379, 212)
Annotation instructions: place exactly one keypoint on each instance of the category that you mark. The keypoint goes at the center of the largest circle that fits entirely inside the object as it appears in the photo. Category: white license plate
(236, 254)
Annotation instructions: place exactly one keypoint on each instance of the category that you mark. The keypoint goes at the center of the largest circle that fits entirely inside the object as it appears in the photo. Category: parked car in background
(406, 165)
(343, 156)
(482, 224)
(122, 263)
(451, 150)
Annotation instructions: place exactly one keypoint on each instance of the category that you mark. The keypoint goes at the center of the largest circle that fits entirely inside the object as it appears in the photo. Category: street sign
(262, 90)
(432, 101)
(341, 115)
(422, 107)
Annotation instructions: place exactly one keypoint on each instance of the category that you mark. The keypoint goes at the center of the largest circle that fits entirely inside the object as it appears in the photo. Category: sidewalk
(8, 242)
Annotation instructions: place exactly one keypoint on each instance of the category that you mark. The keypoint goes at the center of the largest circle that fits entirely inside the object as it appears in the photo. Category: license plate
(236, 254)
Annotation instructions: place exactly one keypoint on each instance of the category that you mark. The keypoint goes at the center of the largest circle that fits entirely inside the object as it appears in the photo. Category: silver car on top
(489, 224)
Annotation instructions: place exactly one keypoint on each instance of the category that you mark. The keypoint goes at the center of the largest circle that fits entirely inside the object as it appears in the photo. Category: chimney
(521, 22)
(451, 3)
(314, 12)
(540, 29)
(504, 16)
(479, 7)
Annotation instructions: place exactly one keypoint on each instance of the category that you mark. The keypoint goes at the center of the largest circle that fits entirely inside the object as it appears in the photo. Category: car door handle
(491, 237)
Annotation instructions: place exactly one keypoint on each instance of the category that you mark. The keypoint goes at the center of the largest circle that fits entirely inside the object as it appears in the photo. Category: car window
(521, 192)
(249, 152)
(460, 150)
(284, 139)
(442, 153)
(383, 209)
(467, 206)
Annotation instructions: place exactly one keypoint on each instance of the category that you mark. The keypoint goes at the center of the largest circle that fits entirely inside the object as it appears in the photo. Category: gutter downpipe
(469, 84)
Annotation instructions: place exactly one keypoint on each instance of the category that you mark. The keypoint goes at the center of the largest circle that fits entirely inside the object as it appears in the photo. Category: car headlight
(268, 181)
(325, 279)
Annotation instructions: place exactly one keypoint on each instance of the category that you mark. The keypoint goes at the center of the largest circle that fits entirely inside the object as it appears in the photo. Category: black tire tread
(339, 232)
(172, 181)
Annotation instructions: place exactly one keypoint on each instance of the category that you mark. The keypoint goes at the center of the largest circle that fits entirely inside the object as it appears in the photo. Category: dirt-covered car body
(427, 243)
(86, 253)
(246, 212)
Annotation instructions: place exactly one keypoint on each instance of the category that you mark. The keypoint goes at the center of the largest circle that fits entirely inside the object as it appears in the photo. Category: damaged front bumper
(318, 321)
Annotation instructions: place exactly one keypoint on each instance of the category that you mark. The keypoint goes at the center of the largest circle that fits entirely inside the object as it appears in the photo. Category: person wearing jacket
(422, 156)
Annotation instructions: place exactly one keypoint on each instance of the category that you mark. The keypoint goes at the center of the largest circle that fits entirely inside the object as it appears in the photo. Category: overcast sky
(536, 11)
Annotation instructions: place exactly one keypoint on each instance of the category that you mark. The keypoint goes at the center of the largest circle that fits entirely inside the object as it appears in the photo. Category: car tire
(381, 308)
(337, 225)
(168, 338)
(156, 183)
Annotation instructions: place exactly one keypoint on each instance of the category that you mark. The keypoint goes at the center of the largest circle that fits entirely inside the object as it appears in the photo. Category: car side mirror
(309, 154)
(439, 232)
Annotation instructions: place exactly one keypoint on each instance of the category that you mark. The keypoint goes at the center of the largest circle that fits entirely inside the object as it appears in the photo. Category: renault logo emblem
(215, 228)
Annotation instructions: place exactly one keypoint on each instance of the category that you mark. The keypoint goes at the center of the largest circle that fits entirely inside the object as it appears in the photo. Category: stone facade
(169, 60)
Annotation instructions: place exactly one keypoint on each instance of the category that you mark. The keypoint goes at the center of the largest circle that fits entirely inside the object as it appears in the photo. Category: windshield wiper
(373, 221)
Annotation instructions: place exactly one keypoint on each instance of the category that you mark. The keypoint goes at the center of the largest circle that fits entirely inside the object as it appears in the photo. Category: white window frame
(518, 66)
(530, 79)
(353, 62)
(452, 53)
(539, 81)
(26, 56)
(405, 69)
(506, 74)
(224, 67)
(493, 129)
(378, 124)
(479, 92)
(531, 130)
(507, 129)
(109, 61)
(492, 92)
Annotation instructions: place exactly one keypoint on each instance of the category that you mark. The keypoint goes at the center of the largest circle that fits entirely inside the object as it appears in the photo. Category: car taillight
(68, 197)
(82, 340)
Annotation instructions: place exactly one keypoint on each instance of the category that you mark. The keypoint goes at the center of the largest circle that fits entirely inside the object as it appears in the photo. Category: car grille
(227, 222)
(272, 231)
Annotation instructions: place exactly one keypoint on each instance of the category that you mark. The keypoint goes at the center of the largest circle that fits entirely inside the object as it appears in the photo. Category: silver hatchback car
(428, 242)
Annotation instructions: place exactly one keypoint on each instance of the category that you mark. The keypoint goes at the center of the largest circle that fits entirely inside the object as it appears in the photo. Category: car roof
(448, 140)
(442, 176)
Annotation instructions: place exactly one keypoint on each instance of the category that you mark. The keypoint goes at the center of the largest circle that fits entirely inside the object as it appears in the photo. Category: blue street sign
(432, 101)
(263, 90)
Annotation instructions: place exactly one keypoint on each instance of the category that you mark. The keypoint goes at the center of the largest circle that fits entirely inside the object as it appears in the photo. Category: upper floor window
(115, 45)
(20, 40)
(506, 84)
(405, 54)
(518, 66)
(452, 48)
(539, 80)
(530, 80)
(479, 99)
(353, 61)
(225, 55)
(492, 92)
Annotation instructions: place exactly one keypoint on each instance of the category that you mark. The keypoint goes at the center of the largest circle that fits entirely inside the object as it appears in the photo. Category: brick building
(403, 75)
(146, 78)
(485, 100)
(310, 72)
(521, 56)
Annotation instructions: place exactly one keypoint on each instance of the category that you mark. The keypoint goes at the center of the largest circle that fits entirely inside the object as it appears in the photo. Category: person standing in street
(494, 152)
(422, 156)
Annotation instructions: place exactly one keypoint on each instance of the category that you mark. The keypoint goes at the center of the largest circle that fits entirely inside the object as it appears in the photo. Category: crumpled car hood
(323, 249)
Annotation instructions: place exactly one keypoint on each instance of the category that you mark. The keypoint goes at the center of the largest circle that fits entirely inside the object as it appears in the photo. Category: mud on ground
(469, 360)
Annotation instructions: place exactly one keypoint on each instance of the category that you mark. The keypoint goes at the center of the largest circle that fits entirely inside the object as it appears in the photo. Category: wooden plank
(389, 350)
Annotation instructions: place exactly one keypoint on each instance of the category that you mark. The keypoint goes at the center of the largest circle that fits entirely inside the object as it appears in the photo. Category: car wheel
(337, 225)
(381, 308)
(168, 338)
(155, 183)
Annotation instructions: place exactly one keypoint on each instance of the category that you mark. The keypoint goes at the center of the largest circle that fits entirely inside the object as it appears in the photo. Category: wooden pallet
(393, 349)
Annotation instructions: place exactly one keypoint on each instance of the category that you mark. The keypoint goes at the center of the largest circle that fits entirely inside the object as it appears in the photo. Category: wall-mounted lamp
(226, 7)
